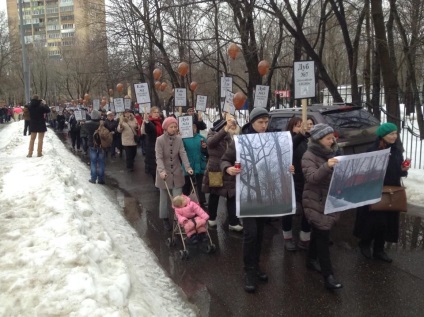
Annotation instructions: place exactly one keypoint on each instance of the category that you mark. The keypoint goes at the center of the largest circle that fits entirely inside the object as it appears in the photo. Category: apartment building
(58, 24)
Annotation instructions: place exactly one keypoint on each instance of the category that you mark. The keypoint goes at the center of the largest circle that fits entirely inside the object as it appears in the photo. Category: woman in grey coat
(170, 153)
(317, 166)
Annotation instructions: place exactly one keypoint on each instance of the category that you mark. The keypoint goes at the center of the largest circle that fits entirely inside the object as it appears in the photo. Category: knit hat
(258, 113)
(168, 121)
(320, 130)
(109, 112)
(385, 129)
(95, 115)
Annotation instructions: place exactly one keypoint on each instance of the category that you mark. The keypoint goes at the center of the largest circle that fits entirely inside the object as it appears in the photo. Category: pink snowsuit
(191, 217)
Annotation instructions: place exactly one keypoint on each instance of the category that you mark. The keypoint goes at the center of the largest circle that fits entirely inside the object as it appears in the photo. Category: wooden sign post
(304, 85)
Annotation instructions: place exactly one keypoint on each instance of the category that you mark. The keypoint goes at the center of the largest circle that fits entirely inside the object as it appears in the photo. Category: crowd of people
(174, 163)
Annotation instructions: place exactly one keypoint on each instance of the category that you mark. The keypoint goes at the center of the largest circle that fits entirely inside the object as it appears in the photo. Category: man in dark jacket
(97, 154)
(111, 124)
(197, 119)
(253, 227)
(37, 109)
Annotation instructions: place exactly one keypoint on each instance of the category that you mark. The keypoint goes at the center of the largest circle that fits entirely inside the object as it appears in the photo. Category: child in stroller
(192, 217)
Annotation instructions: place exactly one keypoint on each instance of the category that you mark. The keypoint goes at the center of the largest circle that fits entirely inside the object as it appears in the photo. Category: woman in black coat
(152, 126)
(382, 226)
(37, 110)
(300, 145)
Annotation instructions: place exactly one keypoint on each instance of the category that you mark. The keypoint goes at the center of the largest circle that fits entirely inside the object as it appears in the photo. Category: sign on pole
(78, 115)
(127, 103)
(185, 126)
(142, 93)
(119, 104)
(180, 97)
(226, 85)
(228, 103)
(201, 102)
(261, 96)
(96, 104)
(304, 79)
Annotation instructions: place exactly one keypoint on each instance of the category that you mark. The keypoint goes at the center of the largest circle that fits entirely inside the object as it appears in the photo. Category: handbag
(136, 136)
(393, 198)
(215, 179)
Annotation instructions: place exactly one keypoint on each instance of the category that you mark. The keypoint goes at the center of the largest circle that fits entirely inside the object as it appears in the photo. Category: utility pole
(24, 56)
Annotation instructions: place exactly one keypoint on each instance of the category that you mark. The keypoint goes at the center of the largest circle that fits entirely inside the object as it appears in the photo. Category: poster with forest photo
(265, 187)
(357, 180)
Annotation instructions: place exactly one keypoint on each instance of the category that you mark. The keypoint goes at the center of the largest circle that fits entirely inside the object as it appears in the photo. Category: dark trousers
(84, 142)
(130, 153)
(288, 224)
(27, 127)
(231, 209)
(76, 139)
(197, 182)
(319, 248)
(253, 232)
(379, 240)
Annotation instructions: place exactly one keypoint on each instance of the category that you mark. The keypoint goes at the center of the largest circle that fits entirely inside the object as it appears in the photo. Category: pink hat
(168, 121)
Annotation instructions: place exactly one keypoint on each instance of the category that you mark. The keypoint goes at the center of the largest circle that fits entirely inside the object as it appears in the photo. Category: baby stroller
(206, 246)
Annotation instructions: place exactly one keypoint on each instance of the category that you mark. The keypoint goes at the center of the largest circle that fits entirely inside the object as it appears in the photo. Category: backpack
(102, 137)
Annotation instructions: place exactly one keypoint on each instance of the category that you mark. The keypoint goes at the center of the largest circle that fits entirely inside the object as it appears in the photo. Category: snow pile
(65, 249)
(413, 184)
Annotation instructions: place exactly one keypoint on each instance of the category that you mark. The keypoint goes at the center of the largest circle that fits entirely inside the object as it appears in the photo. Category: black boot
(262, 276)
(331, 283)
(313, 265)
(250, 280)
(382, 256)
(365, 249)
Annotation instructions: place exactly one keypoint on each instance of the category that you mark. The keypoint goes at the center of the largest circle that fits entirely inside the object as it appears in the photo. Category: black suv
(354, 126)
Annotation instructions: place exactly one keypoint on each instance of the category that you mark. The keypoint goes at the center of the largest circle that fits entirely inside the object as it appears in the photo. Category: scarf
(316, 148)
(158, 124)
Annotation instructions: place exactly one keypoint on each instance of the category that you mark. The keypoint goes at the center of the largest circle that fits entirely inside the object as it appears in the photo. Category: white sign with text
(201, 102)
(185, 125)
(180, 97)
(261, 96)
(142, 93)
(304, 79)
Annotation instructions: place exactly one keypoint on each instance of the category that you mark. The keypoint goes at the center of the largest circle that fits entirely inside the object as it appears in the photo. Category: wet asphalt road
(214, 282)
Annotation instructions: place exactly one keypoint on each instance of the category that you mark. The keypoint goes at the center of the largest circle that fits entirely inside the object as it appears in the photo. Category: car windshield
(278, 124)
(350, 118)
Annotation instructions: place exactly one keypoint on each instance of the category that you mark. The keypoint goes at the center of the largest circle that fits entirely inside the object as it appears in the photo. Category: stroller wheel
(170, 242)
(184, 254)
(210, 248)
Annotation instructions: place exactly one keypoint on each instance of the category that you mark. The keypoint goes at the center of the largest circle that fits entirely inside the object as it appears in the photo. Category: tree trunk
(389, 77)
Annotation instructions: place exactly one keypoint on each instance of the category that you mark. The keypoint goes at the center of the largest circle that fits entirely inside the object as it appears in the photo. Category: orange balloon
(183, 69)
(119, 87)
(193, 86)
(163, 86)
(239, 100)
(110, 92)
(233, 50)
(263, 67)
(157, 84)
(103, 102)
(157, 73)
(86, 97)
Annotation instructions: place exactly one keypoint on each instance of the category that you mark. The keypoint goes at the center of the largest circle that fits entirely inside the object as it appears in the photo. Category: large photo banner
(357, 181)
(265, 187)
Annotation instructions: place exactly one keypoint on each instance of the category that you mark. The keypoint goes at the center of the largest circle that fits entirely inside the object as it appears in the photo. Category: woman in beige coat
(170, 153)
(128, 127)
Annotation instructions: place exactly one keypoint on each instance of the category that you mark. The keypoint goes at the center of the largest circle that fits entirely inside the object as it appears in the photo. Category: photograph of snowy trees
(265, 186)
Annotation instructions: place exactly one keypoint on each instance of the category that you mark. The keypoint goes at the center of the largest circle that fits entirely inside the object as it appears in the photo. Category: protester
(53, 118)
(300, 145)
(196, 152)
(37, 110)
(27, 120)
(197, 119)
(169, 151)
(74, 131)
(97, 154)
(377, 227)
(128, 127)
(192, 217)
(61, 121)
(112, 125)
(317, 164)
(152, 126)
(217, 143)
(253, 227)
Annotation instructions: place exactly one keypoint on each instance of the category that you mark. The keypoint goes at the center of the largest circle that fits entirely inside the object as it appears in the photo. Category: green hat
(385, 129)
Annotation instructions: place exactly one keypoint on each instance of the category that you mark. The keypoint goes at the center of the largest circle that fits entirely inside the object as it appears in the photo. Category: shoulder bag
(393, 198)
